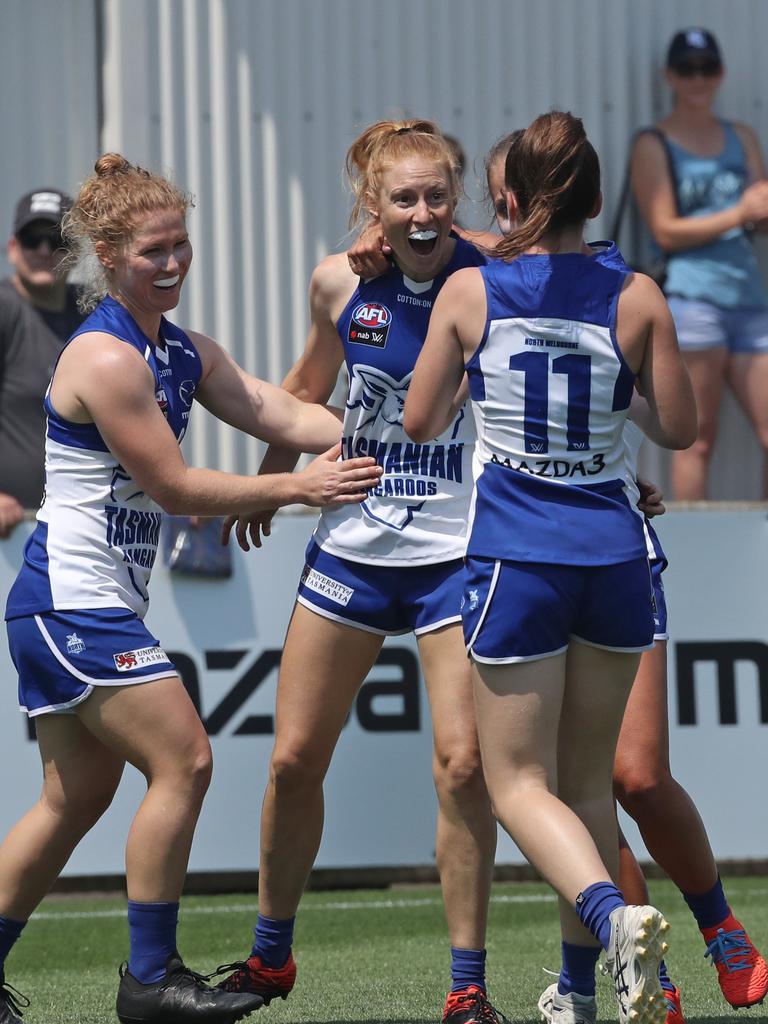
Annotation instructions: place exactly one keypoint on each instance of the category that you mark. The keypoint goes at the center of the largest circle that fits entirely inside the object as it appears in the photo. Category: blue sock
(9, 933)
(152, 929)
(467, 968)
(709, 908)
(666, 984)
(273, 940)
(594, 907)
(577, 973)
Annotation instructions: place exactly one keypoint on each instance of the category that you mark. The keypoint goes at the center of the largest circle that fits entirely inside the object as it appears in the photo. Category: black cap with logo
(47, 204)
(692, 44)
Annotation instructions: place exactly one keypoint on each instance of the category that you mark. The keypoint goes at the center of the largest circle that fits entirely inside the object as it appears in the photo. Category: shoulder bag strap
(626, 186)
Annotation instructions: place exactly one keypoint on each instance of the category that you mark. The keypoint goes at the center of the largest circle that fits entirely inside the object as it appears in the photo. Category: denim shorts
(701, 326)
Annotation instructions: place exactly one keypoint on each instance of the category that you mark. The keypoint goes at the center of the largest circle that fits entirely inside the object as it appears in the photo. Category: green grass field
(363, 956)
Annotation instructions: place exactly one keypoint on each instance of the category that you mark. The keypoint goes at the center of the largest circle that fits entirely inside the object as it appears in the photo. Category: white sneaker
(636, 948)
(570, 1009)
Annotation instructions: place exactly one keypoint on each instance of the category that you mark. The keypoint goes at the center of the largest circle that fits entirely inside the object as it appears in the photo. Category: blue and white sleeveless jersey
(97, 531)
(418, 513)
(550, 391)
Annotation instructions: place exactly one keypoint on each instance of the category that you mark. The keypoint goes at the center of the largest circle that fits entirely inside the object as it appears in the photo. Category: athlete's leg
(80, 776)
(673, 831)
(466, 830)
(323, 666)
(669, 823)
(748, 378)
(690, 468)
(519, 710)
(598, 682)
(155, 727)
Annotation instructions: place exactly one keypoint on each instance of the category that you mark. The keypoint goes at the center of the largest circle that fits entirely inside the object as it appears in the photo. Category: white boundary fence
(380, 806)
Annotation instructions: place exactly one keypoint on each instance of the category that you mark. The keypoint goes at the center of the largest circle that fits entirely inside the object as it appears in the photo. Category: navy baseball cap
(47, 204)
(693, 44)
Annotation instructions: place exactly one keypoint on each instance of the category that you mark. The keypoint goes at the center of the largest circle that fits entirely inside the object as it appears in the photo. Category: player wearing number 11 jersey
(557, 592)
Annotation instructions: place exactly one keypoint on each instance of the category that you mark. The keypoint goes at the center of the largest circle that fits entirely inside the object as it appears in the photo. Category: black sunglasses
(706, 68)
(33, 237)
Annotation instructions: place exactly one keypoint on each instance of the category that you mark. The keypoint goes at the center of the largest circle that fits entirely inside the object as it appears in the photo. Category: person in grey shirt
(38, 312)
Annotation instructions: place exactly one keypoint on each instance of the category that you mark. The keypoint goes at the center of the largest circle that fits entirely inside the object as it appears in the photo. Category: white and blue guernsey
(97, 532)
(550, 391)
(418, 513)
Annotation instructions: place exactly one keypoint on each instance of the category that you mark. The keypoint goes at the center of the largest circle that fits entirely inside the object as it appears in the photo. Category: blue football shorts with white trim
(388, 600)
(521, 611)
(61, 656)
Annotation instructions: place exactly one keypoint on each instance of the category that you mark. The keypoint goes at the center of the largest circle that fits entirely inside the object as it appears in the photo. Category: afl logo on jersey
(370, 325)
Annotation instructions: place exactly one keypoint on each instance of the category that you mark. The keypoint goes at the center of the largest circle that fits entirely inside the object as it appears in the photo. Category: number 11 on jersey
(536, 367)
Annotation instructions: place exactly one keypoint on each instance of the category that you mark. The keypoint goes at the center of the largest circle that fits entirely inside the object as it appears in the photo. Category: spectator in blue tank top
(715, 289)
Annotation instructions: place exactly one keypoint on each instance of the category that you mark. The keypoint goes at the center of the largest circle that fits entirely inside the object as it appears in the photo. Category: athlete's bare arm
(312, 378)
(455, 328)
(648, 341)
(117, 393)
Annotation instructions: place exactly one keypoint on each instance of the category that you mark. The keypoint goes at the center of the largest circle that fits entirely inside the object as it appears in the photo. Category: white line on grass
(229, 908)
(402, 904)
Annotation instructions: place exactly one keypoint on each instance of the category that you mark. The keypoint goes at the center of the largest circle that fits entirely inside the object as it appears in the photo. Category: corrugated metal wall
(49, 120)
(251, 104)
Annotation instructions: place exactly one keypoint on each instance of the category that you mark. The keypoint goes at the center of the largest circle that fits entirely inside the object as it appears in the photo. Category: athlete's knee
(458, 771)
(80, 806)
(201, 767)
(639, 788)
(293, 770)
(189, 771)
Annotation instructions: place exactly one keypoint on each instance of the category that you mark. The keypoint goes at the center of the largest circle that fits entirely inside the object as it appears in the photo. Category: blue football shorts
(388, 600)
(522, 611)
(61, 656)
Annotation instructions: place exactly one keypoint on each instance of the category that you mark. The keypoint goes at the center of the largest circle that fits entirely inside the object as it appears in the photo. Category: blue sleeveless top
(724, 272)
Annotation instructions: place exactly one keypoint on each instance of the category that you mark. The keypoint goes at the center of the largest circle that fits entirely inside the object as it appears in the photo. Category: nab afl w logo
(370, 324)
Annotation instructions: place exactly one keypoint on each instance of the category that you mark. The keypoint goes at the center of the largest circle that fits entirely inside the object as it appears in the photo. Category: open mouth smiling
(423, 242)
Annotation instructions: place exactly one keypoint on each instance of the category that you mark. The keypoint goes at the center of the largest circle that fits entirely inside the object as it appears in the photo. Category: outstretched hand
(330, 480)
(257, 526)
(327, 480)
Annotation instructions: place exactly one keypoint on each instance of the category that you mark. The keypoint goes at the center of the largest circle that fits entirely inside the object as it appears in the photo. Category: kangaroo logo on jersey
(412, 472)
(369, 325)
(377, 392)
